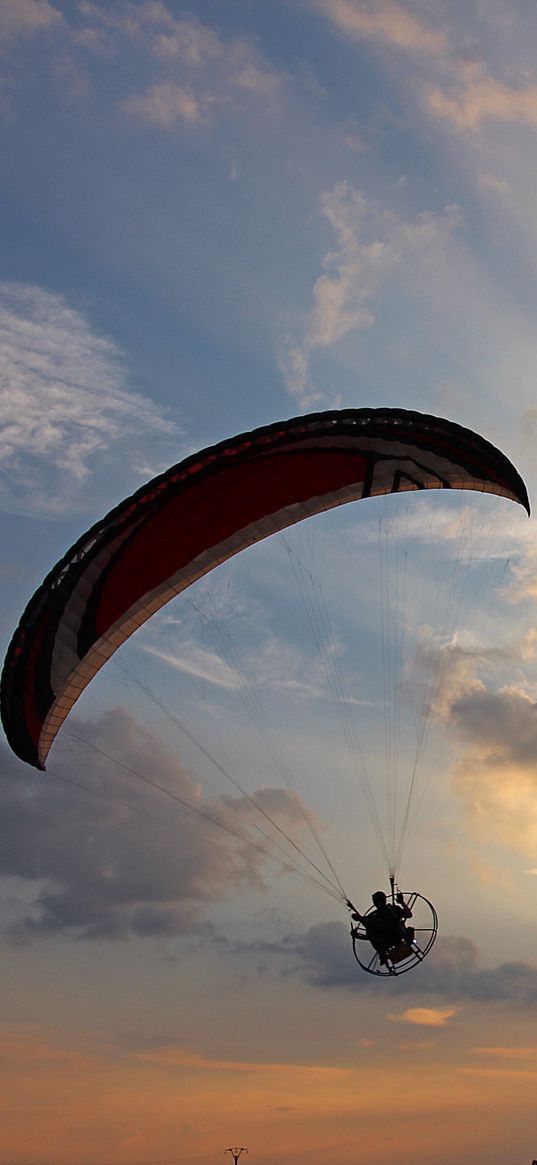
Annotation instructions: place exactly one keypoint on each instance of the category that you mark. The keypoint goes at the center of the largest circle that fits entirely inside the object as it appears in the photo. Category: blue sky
(214, 216)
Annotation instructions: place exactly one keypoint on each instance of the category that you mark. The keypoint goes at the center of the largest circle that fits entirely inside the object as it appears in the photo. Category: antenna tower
(235, 1153)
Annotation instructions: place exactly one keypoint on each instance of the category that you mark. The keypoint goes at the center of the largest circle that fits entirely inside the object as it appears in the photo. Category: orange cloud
(500, 1053)
(416, 1045)
(424, 1016)
(181, 1058)
(30, 1045)
(501, 1073)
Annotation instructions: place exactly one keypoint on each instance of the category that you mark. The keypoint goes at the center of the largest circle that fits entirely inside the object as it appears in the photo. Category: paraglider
(201, 512)
(393, 946)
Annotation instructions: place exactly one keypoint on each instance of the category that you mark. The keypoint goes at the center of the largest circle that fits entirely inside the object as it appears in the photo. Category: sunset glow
(217, 217)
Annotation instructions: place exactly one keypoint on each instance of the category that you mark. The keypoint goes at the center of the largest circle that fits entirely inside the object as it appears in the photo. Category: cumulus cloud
(502, 726)
(64, 401)
(492, 725)
(118, 838)
(523, 584)
(443, 669)
(322, 958)
(496, 775)
(371, 243)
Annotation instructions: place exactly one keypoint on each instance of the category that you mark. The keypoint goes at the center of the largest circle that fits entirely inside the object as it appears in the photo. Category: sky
(215, 216)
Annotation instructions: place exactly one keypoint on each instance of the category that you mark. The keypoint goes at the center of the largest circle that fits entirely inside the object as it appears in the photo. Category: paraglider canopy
(199, 513)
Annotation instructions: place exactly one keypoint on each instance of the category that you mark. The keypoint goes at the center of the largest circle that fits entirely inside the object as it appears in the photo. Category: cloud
(524, 569)
(493, 726)
(444, 669)
(178, 1056)
(467, 95)
(164, 104)
(197, 661)
(24, 17)
(371, 244)
(184, 38)
(198, 72)
(496, 776)
(424, 1016)
(271, 662)
(322, 958)
(488, 181)
(64, 401)
(416, 1045)
(384, 21)
(483, 98)
(513, 1074)
(505, 1053)
(197, 47)
(97, 837)
(357, 268)
(21, 1044)
(502, 726)
(281, 805)
(187, 74)
(326, 961)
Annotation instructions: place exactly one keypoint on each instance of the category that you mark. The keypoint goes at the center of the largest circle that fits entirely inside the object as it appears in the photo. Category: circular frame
(425, 923)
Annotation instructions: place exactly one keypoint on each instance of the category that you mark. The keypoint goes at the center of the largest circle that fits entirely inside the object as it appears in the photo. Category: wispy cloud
(21, 1043)
(506, 1053)
(247, 660)
(371, 244)
(64, 400)
(500, 1073)
(197, 661)
(183, 1058)
(384, 21)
